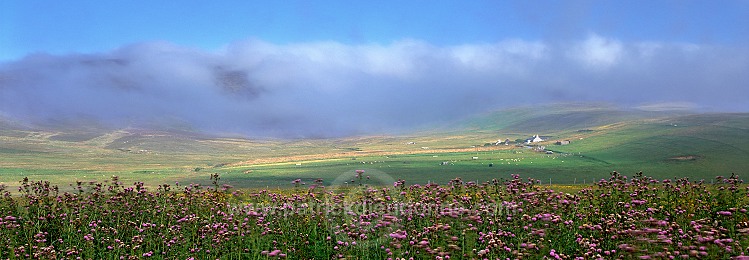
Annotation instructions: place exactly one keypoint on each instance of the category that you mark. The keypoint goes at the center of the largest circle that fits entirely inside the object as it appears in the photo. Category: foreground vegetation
(620, 217)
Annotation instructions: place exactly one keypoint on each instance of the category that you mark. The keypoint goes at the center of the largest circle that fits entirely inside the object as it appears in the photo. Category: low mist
(326, 89)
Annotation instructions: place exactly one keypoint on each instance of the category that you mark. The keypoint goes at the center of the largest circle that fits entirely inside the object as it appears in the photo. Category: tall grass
(619, 217)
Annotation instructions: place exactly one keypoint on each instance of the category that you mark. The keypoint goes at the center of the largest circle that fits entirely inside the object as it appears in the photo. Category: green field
(663, 145)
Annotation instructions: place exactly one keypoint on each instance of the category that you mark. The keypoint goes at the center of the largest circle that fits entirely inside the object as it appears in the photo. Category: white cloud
(512, 56)
(331, 88)
(597, 52)
(646, 50)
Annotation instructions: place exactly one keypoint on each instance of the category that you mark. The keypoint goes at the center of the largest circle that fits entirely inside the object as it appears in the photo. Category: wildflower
(398, 235)
(274, 253)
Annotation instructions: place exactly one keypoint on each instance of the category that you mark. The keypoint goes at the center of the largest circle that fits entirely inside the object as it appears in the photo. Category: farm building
(563, 142)
(500, 142)
(534, 139)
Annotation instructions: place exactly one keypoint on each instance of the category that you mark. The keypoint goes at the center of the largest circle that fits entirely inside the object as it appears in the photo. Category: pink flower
(398, 235)
(274, 252)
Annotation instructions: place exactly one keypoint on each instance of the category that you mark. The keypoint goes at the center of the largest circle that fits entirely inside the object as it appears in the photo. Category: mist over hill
(332, 89)
(522, 120)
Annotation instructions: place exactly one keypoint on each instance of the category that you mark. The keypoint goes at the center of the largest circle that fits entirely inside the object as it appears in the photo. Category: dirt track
(325, 156)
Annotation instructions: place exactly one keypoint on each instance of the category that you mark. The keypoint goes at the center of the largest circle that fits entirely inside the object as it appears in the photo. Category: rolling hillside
(558, 118)
(603, 139)
(661, 144)
(694, 145)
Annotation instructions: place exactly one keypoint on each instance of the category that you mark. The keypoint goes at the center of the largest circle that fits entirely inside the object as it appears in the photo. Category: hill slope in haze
(559, 117)
(663, 144)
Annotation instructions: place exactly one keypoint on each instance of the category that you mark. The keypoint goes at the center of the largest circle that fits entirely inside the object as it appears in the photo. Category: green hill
(603, 139)
(663, 144)
(558, 118)
(693, 145)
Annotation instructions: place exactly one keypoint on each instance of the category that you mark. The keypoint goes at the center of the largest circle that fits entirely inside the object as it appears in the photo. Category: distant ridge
(560, 117)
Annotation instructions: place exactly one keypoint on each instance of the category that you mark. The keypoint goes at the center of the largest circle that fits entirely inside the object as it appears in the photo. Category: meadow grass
(716, 143)
(619, 217)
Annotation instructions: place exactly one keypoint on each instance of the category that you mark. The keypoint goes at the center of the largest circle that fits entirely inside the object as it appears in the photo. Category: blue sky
(90, 26)
(329, 68)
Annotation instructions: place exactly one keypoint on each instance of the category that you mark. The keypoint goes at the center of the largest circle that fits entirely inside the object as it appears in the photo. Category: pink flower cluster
(616, 218)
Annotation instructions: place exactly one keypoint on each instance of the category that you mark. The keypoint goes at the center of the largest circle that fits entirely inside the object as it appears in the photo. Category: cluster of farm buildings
(533, 139)
(530, 143)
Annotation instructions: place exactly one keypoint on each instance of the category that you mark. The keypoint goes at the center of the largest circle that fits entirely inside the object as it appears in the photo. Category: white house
(534, 139)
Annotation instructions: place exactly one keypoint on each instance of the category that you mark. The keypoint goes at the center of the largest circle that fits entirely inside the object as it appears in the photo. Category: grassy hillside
(603, 139)
(695, 145)
(556, 118)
